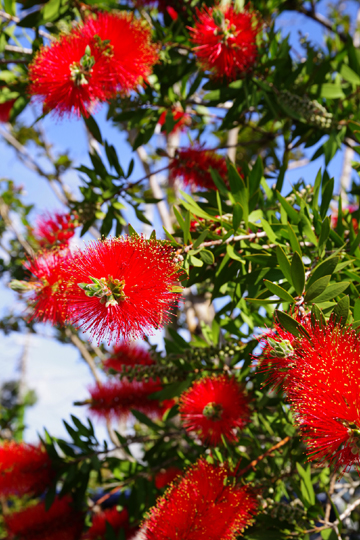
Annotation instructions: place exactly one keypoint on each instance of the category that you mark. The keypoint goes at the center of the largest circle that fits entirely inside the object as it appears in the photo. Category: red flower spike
(128, 354)
(24, 469)
(131, 51)
(122, 288)
(117, 520)
(163, 478)
(46, 293)
(5, 110)
(60, 522)
(203, 505)
(116, 399)
(181, 119)
(225, 41)
(214, 407)
(72, 74)
(55, 229)
(324, 392)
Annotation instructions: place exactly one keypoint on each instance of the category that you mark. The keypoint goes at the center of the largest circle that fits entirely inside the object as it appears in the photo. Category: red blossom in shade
(122, 287)
(72, 74)
(181, 119)
(203, 505)
(117, 520)
(46, 292)
(55, 229)
(24, 469)
(214, 407)
(324, 392)
(128, 354)
(132, 53)
(60, 522)
(225, 41)
(165, 477)
(351, 209)
(192, 166)
(5, 110)
(116, 399)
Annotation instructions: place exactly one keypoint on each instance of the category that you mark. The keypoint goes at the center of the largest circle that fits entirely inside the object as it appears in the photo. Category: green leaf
(284, 263)
(332, 291)
(207, 256)
(293, 240)
(291, 212)
(94, 129)
(355, 244)
(326, 268)
(279, 291)
(230, 250)
(341, 310)
(200, 239)
(132, 231)
(172, 390)
(187, 236)
(256, 175)
(306, 486)
(294, 327)
(143, 419)
(317, 288)
(267, 228)
(326, 197)
(298, 274)
(237, 215)
(317, 315)
(329, 91)
(317, 185)
(349, 75)
(325, 230)
(239, 190)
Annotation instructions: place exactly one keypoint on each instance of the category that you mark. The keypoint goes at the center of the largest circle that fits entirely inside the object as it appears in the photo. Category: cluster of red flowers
(181, 120)
(24, 469)
(215, 407)
(320, 372)
(128, 354)
(204, 504)
(117, 520)
(55, 229)
(116, 288)
(109, 53)
(116, 399)
(192, 166)
(225, 41)
(60, 522)
(352, 208)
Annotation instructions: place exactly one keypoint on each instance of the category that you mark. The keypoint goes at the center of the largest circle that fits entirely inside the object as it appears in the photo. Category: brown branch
(84, 353)
(251, 236)
(326, 23)
(252, 464)
(4, 213)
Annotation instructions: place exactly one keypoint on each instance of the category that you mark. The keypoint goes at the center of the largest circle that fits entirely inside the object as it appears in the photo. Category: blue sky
(56, 371)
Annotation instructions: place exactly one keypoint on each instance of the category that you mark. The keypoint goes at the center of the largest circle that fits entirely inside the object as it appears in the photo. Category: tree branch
(253, 463)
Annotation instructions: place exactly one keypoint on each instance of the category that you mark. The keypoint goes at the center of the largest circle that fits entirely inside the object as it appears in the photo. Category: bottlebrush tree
(245, 409)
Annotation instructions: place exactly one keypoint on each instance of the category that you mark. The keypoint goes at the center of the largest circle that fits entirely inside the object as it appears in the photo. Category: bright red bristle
(165, 477)
(225, 41)
(60, 522)
(24, 469)
(72, 74)
(55, 229)
(122, 288)
(132, 52)
(128, 354)
(117, 519)
(214, 407)
(115, 399)
(204, 504)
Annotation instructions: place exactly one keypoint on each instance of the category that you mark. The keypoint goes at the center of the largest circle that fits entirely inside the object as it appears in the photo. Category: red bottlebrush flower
(163, 478)
(277, 358)
(173, 14)
(122, 287)
(24, 469)
(5, 110)
(128, 354)
(215, 406)
(116, 399)
(60, 522)
(181, 119)
(55, 229)
(117, 520)
(203, 505)
(351, 209)
(132, 53)
(225, 41)
(47, 294)
(73, 74)
(324, 392)
(192, 166)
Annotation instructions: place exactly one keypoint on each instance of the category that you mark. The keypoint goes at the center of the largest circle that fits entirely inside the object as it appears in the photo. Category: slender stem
(311, 13)
(254, 462)
(84, 353)
(251, 236)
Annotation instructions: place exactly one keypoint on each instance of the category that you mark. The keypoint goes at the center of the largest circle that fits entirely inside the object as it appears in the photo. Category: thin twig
(254, 462)
(15, 19)
(4, 213)
(311, 13)
(251, 236)
(84, 353)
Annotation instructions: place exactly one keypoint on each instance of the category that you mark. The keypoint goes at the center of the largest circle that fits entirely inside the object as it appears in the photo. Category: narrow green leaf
(326, 268)
(291, 212)
(237, 215)
(306, 486)
(332, 291)
(317, 316)
(200, 239)
(325, 230)
(143, 419)
(355, 244)
(294, 327)
(279, 291)
(317, 186)
(187, 236)
(207, 256)
(293, 240)
(349, 75)
(341, 310)
(94, 129)
(326, 197)
(230, 250)
(267, 228)
(284, 263)
(317, 288)
(298, 274)
(132, 231)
